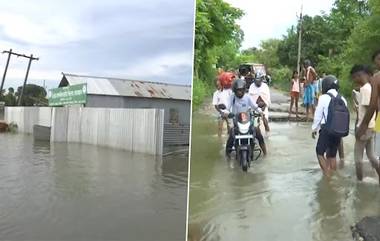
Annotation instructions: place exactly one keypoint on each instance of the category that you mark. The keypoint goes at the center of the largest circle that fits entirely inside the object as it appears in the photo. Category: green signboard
(69, 95)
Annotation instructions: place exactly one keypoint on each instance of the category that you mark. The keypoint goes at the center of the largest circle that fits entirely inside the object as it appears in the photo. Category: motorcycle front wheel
(244, 160)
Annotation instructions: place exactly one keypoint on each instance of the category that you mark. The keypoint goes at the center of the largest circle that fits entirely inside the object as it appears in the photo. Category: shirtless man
(309, 91)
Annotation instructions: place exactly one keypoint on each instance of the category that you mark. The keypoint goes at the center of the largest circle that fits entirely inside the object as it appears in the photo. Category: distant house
(107, 92)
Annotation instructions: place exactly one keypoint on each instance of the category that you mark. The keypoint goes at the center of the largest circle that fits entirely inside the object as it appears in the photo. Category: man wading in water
(332, 119)
(374, 103)
(375, 100)
(220, 101)
(361, 75)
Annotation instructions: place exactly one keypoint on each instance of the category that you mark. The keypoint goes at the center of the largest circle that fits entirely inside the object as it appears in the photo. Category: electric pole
(299, 41)
(6, 69)
(31, 58)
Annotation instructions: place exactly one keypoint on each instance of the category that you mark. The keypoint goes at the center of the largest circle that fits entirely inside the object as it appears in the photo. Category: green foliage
(267, 53)
(281, 77)
(33, 95)
(365, 37)
(347, 35)
(334, 42)
(217, 41)
(200, 90)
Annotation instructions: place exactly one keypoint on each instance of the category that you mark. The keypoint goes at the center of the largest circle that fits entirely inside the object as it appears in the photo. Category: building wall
(182, 106)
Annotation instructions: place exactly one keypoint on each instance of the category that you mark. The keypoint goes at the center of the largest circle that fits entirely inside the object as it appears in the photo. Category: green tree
(33, 95)
(217, 41)
(215, 26)
(10, 98)
(365, 37)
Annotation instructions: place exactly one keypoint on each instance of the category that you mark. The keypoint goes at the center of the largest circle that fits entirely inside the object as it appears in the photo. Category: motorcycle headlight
(243, 128)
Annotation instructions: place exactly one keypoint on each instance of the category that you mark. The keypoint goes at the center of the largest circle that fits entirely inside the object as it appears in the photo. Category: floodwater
(283, 197)
(84, 192)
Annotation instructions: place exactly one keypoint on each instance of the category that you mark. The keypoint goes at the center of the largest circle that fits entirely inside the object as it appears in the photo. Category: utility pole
(5, 70)
(31, 58)
(299, 41)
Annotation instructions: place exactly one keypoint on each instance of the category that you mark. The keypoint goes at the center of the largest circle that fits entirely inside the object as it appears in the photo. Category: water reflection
(283, 197)
(72, 191)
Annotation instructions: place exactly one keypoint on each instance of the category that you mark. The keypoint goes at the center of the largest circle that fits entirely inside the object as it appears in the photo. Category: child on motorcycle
(241, 102)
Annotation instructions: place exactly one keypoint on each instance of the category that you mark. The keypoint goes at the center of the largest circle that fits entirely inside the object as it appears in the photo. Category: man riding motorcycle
(242, 102)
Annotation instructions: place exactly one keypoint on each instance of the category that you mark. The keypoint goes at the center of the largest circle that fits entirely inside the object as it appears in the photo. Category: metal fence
(137, 130)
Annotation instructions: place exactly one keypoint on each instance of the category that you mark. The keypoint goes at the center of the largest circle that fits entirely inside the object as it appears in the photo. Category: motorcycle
(244, 135)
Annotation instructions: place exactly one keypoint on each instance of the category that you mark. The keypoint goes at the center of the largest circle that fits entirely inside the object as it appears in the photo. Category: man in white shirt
(362, 74)
(260, 95)
(221, 102)
(327, 144)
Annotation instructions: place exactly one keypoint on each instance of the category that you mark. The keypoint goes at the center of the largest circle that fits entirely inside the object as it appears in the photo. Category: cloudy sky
(145, 40)
(271, 18)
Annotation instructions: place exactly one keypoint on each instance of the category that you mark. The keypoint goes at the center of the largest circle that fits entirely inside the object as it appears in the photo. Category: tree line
(333, 41)
(34, 95)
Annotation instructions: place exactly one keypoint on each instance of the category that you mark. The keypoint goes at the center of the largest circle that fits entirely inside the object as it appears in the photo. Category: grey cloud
(122, 33)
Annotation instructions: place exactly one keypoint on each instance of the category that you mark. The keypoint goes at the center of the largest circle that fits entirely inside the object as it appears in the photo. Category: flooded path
(84, 192)
(283, 197)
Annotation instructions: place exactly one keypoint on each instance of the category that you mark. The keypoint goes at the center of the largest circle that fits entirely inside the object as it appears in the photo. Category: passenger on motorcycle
(242, 102)
(260, 94)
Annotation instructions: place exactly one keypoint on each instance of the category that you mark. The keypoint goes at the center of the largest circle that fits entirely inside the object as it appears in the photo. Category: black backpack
(338, 118)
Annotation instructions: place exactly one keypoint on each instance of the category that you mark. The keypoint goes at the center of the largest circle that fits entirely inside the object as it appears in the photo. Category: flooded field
(84, 192)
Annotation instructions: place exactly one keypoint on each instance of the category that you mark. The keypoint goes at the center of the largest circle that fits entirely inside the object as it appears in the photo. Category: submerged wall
(26, 117)
(137, 130)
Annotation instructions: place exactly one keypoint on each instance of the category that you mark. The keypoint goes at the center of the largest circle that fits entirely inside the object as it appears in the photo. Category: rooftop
(125, 87)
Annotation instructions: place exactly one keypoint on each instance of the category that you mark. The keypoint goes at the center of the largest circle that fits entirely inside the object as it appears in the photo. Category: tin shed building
(107, 92)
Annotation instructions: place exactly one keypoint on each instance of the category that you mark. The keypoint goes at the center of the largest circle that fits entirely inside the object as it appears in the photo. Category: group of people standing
(321, 97)
(332, 117)
(308, 88)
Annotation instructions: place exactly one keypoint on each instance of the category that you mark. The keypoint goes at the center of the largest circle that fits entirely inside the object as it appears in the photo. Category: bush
(281, 77)
(200, 90)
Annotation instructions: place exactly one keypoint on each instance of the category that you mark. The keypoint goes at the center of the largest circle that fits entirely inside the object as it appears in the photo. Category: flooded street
(84, 192)
(283, 196)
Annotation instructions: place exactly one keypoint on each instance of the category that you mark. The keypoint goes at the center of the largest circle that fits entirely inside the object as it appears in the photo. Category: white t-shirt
(222, 97)
(263, 92)
(364, 100)
(320, 114)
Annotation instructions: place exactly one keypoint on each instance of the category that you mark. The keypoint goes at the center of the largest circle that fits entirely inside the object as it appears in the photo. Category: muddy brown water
(84, 192)
(282, 197)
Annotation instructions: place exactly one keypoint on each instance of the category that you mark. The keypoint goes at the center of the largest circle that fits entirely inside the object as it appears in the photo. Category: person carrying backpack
(332, 119)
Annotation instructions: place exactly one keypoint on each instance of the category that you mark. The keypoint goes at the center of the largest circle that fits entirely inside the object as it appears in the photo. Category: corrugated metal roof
(133, 88)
